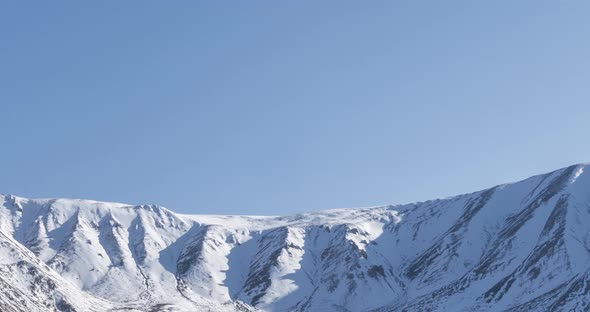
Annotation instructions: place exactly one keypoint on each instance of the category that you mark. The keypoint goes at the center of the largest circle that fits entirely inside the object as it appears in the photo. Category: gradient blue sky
(278, 107)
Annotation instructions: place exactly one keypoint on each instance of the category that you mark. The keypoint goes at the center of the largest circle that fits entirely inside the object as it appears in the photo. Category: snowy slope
(515, 247)
(28, 284)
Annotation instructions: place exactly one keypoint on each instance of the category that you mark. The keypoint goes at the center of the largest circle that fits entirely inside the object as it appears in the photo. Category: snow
(520, 244)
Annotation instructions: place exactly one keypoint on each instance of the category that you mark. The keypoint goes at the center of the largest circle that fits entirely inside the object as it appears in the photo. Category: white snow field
(516, 247)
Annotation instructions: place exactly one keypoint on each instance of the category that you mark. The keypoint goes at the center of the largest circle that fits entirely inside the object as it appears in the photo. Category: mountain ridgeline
(523, 246)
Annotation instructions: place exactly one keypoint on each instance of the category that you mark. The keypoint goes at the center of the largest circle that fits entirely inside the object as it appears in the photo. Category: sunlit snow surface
(522, 247)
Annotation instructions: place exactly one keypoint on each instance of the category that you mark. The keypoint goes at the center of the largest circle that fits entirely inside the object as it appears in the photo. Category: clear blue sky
(278, 107)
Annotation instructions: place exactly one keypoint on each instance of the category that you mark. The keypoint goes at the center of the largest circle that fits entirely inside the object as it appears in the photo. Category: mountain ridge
(580, 164)
(490, 250)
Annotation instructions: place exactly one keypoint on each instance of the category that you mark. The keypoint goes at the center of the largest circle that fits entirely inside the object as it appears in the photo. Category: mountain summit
(523, 246)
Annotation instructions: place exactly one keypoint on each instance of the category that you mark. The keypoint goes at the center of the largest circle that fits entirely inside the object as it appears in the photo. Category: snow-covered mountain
(517, 247)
